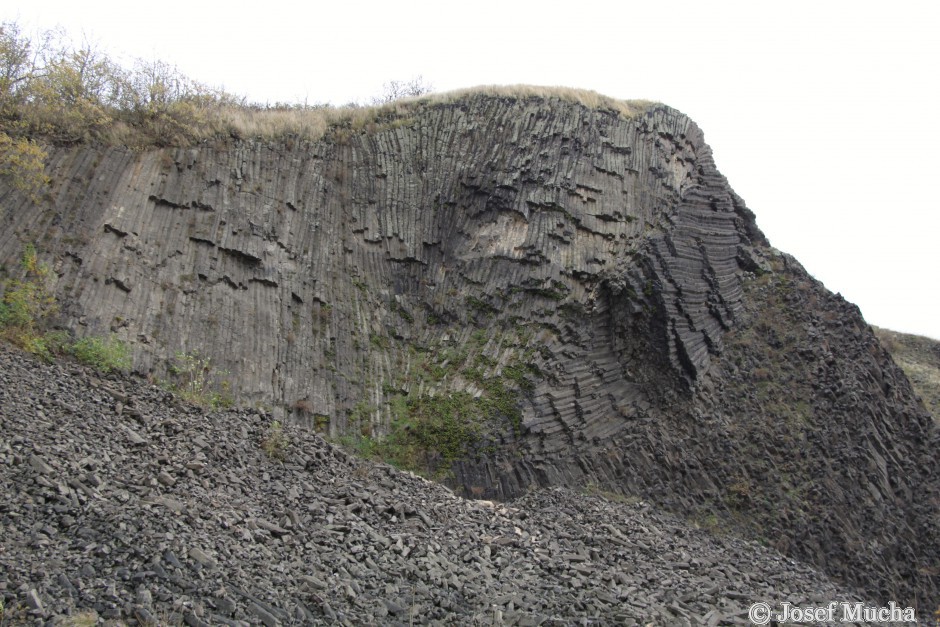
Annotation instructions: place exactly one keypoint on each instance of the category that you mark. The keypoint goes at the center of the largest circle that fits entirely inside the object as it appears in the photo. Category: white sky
(823, 114)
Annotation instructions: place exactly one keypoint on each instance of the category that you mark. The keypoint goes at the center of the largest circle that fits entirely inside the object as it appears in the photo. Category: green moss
(556, 292)
(404, 313)
(430, 430)
(361, 414)
(480, 307)
(519, 373)
(378, 341)
(479, 338)
(447, 424)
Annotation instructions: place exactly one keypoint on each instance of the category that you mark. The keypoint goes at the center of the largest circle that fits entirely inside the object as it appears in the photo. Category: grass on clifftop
(919, 358)
(588, 98)
(313, 122)
(54, 91)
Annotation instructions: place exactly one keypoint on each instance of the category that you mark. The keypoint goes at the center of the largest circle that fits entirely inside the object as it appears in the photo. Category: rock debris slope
(125, 504)
(513, 292)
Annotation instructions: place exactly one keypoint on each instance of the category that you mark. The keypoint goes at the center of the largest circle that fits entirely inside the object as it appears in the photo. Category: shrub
(396, 90)
(104, 354)
(198, 382)
(26, 305)
(24, 311)
(70, 99)
(22, 162)
(276, 443)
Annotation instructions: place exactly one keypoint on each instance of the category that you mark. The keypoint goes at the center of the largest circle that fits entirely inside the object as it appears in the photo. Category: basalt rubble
(127, 506)
(508, 293)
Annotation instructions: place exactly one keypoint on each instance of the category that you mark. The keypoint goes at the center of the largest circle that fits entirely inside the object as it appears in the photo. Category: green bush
(428, 433)
(104, 354)
(26, 305)
(25, 308)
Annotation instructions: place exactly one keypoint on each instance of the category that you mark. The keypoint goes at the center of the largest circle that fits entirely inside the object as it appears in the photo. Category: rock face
(580, 286)
(123, 504)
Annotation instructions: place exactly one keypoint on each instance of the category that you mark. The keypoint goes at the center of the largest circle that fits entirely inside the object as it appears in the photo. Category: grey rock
(37, 464)
(171, 504)
(226, 606)
(144, 616)
(144, 597)
(66, 586)
(202, 557)
(592, 270)
(263, 615)
(393, 607)
(134, 437)
(275, 530)
(194, 621)
(33, 602)
(170, 558)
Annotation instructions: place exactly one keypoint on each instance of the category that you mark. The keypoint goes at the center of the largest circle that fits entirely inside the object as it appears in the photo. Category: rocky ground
(124, 506)
(573, 292)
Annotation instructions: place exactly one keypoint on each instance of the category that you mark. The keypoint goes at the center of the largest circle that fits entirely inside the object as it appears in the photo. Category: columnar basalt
(582, 285)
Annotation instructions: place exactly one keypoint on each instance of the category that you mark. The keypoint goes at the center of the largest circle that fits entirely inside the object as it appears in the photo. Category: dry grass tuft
(312, 123)
(307, 123)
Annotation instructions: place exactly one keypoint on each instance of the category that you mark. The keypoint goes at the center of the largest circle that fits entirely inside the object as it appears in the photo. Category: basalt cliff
(511, 293)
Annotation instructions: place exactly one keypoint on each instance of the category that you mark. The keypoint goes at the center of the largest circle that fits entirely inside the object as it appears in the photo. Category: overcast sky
(823, 115)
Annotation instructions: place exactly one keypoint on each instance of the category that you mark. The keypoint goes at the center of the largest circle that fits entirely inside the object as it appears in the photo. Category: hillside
(125, 504)
(919, 357)
(508, 292)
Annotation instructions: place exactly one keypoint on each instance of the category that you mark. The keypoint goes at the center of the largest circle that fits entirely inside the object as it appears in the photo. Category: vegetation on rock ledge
(26, 307)
(63, 93)
(461, 402)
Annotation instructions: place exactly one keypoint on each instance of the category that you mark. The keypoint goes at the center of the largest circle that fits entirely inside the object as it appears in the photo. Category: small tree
(21, 60)
(73, 99)
(396, 90)
(167, 105)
